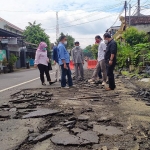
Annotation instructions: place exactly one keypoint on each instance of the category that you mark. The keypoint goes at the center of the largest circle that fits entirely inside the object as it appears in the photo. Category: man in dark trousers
(64, 60)
(110, 58)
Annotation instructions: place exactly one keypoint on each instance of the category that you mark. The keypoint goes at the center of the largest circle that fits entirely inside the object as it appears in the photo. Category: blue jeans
(66, 72)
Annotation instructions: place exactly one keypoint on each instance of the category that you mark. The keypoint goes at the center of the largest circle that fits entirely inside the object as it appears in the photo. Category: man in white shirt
(101, 61)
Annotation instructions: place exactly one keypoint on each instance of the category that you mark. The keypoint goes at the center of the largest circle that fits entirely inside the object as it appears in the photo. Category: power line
(84, 22)
(82, 18)
(118, 16)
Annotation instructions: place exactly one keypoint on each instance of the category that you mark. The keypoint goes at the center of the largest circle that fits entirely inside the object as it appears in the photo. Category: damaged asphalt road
(80, 118)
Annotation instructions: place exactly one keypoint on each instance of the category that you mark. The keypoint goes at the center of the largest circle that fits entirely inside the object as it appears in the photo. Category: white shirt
(101, 51)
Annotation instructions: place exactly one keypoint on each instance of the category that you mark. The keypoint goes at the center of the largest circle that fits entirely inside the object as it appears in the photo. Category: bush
(12, 59)
(4, 62)
(132, 36)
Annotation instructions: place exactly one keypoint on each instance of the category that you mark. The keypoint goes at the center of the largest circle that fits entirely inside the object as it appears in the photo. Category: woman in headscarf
(41, 61)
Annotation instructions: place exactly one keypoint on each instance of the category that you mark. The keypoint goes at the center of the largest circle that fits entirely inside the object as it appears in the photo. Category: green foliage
(35, 34)
(4, 62)
(124, 52)
(88, 51)
(95, 51)
(70, 41)
(136, 54)
(12, 59)
(132, 36)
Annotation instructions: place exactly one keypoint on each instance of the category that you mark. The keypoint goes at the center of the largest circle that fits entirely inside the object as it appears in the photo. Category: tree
(70, 41)
(95, 50)
(88, 51)
(132, 36)
(35, 34)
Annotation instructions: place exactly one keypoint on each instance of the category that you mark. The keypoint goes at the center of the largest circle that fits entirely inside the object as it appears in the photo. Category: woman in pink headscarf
(41, 61)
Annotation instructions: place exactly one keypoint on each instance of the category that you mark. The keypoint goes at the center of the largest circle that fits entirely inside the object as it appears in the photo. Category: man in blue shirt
(64, 60)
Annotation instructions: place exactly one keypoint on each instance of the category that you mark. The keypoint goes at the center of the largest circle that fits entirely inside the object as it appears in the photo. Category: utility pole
(125, 7)
(57, 26)
(129, 15)
(138, 9)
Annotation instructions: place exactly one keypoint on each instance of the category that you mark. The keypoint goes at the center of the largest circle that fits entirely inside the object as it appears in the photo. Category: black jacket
(111, 49)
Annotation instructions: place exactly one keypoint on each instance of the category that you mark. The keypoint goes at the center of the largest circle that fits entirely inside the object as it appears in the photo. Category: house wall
(143, 27)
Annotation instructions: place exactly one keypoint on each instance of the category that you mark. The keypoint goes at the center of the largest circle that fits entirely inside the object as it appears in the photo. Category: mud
(84, 117)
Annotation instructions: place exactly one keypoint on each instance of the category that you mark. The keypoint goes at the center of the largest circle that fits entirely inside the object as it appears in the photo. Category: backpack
(55, 54)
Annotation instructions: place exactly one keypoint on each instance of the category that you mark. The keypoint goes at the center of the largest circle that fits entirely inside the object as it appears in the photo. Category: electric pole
(129, 15)
(125, 7)
(138, 9)
(57, 26)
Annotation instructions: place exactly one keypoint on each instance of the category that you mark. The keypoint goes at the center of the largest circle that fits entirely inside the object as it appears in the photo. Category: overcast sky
(83, 19)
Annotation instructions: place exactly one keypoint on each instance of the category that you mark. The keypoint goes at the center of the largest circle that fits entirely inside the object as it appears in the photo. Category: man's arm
(104, 47)
(82, 55)
(62, 56)
(37, 56)
(73, 58)
(113, 52)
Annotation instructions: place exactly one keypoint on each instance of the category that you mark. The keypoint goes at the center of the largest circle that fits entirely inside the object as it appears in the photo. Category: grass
(135, 73)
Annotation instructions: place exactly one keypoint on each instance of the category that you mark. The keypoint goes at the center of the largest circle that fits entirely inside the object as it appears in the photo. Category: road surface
(12, 82)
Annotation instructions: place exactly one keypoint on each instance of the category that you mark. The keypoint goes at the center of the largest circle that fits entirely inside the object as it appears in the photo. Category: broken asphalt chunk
(107, 130)
(76, 130)
(104, 119)
(64, 138)
(69, 123)
(83, 118)
(40, 113)
(89, 136)
(42, 137)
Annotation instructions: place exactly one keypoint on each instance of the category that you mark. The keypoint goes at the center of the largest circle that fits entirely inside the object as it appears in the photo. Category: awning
(5, 33)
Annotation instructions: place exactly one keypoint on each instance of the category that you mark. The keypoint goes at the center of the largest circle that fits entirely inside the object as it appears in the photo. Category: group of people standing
(107, 51)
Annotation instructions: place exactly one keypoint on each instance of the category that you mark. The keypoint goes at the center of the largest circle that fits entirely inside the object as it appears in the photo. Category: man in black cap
(78, 60)
(110, 58)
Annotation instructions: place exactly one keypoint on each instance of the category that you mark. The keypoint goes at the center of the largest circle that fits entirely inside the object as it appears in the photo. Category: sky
(83, 19)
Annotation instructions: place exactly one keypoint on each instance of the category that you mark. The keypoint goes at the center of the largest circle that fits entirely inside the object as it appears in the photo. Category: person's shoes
(103, 83)
(66, 87)
(43, 84)
(91, 80)
(50, 83)
(73, 86)
(109, 89)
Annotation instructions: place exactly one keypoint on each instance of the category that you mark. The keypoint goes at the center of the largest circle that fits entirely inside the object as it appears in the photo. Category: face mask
(77, 46)
(106, 41)
(65, 42)
(44, 49)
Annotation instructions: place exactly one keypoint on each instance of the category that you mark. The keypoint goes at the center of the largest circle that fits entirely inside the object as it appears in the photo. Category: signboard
(12, 41)
(2, 54)
(4, 41)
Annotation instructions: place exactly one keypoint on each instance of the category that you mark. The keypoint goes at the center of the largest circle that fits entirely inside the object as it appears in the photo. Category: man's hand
(35, 65)
(110, 62)
(65, 66)
(83, 62)
(54, 62)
